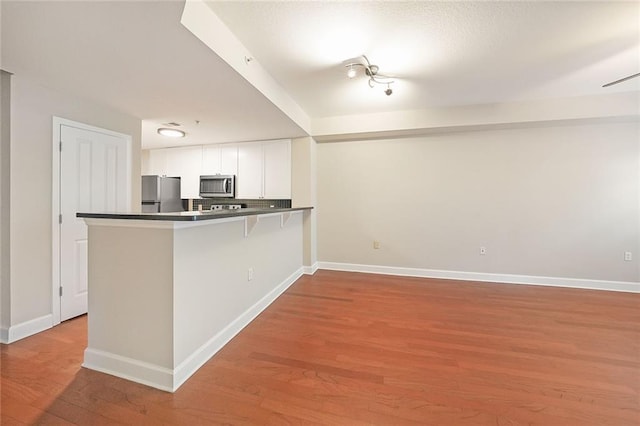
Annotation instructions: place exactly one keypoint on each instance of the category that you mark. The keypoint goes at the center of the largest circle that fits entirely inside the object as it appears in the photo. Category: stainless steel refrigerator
(161, 194)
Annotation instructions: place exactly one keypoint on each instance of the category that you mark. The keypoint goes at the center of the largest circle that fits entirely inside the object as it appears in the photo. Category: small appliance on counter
(213, 186)
(161, 194)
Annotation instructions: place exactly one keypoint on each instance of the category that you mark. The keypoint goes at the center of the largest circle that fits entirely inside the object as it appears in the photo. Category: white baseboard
(26, 329)
(310, 270)
(129, 368)
(170, 380)
(624, 286)
(206, 351)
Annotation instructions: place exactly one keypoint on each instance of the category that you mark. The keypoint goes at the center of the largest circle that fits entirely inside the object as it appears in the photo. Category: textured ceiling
(137, 58)
(442, 53)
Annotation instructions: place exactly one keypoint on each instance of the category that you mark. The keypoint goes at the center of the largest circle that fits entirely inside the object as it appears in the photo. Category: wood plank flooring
(350, 349)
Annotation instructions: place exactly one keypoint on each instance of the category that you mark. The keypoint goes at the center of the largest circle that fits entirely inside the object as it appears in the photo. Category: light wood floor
(343, 348)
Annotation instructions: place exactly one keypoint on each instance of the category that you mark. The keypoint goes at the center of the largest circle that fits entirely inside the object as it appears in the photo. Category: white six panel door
(93, 178)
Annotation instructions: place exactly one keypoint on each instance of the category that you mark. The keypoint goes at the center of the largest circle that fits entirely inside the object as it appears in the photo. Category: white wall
(304, 194)
(547, 202)
(31, 144)
(211, 264)
(5, 167)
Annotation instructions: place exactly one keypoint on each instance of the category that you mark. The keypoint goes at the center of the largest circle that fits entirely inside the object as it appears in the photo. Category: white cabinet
(210, 160)
(264, 170)
(156, 163)
(185, 162)
(229, 159)
(277, 169)
(249, 180)
(220, 159)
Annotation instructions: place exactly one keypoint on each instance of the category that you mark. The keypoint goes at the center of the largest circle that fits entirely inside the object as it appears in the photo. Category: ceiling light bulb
(352, 72)
(171, 133)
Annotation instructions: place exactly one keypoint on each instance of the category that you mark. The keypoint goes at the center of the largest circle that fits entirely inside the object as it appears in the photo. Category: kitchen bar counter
(191, 216)
(167, 290)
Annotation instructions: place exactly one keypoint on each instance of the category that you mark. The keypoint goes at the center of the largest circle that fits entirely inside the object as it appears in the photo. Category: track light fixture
(351, 72)
(370, 71)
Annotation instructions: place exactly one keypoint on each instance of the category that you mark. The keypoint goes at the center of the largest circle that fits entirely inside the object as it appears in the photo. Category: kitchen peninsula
(168, 290)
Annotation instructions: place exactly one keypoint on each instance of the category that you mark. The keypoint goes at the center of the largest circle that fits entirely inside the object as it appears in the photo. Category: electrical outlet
(250, 274)
(376, 244)
(483, 251)
(628, 256)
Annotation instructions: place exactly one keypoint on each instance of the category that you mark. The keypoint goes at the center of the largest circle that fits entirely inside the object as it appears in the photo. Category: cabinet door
(277, 169)
(229, 159)
(144, 162)
(186, 163)
(210, 160)
(250, 172)
(156, 162)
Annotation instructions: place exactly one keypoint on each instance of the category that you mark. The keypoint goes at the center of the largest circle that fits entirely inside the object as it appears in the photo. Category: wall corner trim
(310, 270)
(129, 369)
(623, 286)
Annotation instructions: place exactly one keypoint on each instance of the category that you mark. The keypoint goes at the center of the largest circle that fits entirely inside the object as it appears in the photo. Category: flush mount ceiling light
(370, 71)
(171, 133)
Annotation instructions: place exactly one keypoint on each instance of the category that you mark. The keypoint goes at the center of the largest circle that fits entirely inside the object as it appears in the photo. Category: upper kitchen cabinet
(250, 166)
(183, 162)
(210, 160)
(264, 170)
(155, 162)
(220, 159)
(228, 159)
(277, 169)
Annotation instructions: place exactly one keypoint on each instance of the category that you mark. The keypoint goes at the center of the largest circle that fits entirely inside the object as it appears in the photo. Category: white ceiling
(441, 53)
(136, 57)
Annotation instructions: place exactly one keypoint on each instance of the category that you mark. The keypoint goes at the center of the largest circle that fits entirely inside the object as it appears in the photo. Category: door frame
(55, 201)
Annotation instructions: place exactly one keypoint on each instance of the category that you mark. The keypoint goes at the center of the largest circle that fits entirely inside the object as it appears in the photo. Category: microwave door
(220, 186)
(209, 186)
(216, 186)
(213, 186)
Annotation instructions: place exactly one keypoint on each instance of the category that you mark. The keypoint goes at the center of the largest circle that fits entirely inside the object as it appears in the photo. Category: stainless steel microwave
(214, 186)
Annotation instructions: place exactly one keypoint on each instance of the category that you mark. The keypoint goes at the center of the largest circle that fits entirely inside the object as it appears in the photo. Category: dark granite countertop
(191, 216)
